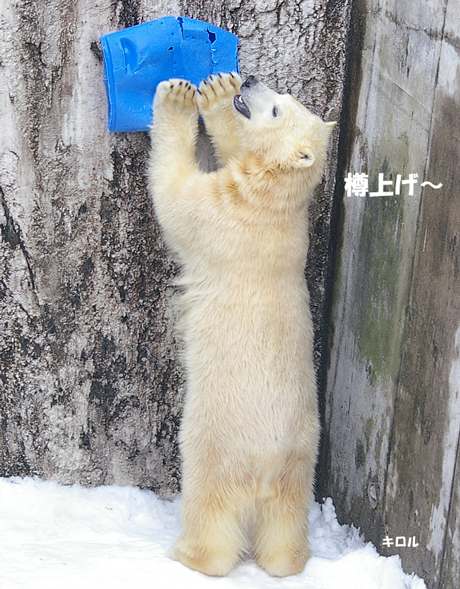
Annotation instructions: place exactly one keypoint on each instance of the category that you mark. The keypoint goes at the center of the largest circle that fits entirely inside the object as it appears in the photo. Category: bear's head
(283, 135)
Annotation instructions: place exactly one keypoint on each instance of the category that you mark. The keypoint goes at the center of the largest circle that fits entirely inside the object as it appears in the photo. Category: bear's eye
(275, 112)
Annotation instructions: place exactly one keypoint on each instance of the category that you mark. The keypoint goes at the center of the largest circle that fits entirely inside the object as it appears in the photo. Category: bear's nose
(250, 82)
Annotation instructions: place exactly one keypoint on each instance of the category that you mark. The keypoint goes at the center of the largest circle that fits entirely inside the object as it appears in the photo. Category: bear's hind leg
(280, 538)
(213, 538)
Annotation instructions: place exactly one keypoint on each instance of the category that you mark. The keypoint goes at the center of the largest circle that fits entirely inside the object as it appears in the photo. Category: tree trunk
(391, 460)
(90, 381)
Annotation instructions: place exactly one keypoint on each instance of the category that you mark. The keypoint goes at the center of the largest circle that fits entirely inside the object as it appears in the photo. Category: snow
(117, 537)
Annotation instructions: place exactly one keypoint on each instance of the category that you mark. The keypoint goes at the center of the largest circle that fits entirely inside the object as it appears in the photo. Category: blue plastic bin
(138, 58)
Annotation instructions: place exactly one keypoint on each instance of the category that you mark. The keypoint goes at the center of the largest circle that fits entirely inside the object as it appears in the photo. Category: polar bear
(250, 429)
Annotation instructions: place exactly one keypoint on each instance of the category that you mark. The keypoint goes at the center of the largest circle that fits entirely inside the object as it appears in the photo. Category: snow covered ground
(117, 537)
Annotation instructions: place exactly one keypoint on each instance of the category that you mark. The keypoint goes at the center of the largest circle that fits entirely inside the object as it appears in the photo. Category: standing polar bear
(250, 428)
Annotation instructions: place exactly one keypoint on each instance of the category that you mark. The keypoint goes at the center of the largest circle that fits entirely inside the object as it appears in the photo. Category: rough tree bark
(90, 382)
(391, 457)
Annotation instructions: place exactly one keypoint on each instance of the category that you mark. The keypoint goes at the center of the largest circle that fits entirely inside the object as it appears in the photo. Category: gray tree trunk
(391, 457)
(90, 382)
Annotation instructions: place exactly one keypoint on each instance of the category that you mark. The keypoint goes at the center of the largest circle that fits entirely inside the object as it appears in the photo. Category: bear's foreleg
(280, 538)
(173, 134)
(215, 103)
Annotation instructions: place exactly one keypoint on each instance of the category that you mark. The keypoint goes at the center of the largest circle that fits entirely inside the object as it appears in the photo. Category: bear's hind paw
(214, 565)
(282, 565)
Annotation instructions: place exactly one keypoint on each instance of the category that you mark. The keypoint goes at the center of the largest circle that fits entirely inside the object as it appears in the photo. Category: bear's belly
(250, 378)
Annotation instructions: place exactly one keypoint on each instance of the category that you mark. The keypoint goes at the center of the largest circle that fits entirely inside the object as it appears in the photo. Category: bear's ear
(306, 157)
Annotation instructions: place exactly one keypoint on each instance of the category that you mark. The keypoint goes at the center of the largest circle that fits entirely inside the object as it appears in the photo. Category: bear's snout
(250, 82)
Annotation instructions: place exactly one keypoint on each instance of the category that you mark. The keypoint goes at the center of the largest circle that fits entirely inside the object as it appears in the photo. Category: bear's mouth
(241, 106)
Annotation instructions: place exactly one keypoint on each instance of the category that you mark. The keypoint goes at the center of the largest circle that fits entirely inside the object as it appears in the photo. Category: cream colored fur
(250, 428)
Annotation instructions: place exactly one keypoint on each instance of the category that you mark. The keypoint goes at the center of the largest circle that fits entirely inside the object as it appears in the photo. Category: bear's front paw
(175, 95)
(217, 92)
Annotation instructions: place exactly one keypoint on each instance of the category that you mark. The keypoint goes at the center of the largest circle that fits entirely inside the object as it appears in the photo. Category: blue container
(138, 58)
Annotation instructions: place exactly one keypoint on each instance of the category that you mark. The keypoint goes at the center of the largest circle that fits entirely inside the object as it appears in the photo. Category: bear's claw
(218, 89)
(176, 94)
